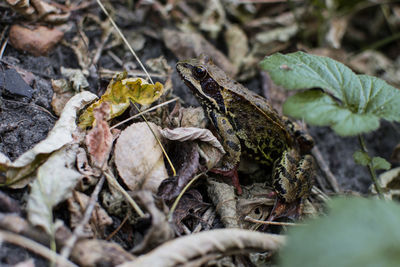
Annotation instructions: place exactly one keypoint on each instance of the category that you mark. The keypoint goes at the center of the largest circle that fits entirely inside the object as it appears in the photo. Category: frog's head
(205, 80)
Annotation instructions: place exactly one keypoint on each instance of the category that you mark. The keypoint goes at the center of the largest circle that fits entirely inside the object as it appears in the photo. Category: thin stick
(118, 228)
(124, 39)
(35, 247)
(113, 182)
(171, 211)
(66, 250)
(144, 112)
(249, 219)
(330, 177)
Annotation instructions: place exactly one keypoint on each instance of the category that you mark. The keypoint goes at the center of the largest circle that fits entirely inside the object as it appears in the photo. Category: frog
(248, 125)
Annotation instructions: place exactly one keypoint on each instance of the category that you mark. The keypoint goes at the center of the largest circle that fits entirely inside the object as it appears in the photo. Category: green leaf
(379, 163)
(362, 158)
(357, 232)
(355, 104)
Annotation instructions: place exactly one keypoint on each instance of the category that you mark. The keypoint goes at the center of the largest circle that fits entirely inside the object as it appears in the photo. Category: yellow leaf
(119, 92)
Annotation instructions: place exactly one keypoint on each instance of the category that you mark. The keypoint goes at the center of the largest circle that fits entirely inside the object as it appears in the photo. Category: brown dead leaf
(237, 43)
(139, 158)
(94, 252)
(99, 220)
(190, 45)
(170, 188)
(89, 175)
(62, 93)
(189, 211)
(160, 230)
(38, 41)
(207, 245)
(337, 28)
(390, 183)
(99, 139)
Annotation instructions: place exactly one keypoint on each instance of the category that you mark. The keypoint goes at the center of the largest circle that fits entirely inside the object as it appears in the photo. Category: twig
(35, 247)
(66, 250)
(330, 177)
(113, 182)
(118, 228)
(143, 112)
(125, 40)
(249, 219)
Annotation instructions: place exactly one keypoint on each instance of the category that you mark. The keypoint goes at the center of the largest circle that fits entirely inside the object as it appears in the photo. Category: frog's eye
(199, 73)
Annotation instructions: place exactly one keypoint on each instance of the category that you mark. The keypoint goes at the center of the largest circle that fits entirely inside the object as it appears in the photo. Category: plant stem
(378, 187)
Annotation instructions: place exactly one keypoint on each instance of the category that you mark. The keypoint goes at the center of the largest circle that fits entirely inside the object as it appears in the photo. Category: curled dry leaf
(237, 43)
(38, 41)
(170, 188)
(337, 28)
(191, 134)
(119, 93)
(94, 252)
(62, 93)
(99, 139)
(213, 18)
(185, 250)
(160, 230)
(390, 183)
(61, 134)
(54, 183)
(76, 78)
(139, 158)
(99, 221)
(190, 45)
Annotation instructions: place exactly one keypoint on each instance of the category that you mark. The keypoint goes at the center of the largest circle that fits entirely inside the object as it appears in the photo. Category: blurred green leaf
(379, 163)
(357, 232)
(362, 158)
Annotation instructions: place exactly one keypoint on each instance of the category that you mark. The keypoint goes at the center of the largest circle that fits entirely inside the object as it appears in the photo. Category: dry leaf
(76, 78)
(61, 134)
(160, 230)
(238, 47)
(62, 94)
(54, 183)
(99, 139)
(96, 252)
(40, 10)
(119, 93)
(390, 183)
(189, 249)
(337, 28)
(139, 158)
(99, 221)
(190, 45)
(39, 41)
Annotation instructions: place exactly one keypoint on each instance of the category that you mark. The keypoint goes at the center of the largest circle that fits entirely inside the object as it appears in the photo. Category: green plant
(350, 104)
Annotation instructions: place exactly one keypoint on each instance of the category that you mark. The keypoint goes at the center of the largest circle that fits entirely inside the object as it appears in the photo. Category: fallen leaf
(190, 45)
(160, 230)
(39, 41)
(99, 139)
(77, 204)
(54, 183)
(61, 135)
(62, 94)
(237, 43)
(76, 78)
(40, 10)
(208, 244)
(119, 93)
(139, 158)
(94, 252)
(337, 29)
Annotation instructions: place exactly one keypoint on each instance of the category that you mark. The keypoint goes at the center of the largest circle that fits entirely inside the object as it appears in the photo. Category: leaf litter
(134, 165)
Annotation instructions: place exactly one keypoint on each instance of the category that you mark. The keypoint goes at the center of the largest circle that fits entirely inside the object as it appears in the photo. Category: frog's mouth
(185, 70)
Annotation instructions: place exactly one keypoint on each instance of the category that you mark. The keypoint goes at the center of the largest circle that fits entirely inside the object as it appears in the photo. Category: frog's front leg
(231, 144)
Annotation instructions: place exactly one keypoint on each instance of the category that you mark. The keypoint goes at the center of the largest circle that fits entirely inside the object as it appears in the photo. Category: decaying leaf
(89, 175)
(94, 252)
(99, 139)
(76, 78)
(61, 134)
(77, 204)
(139, 158)
(62, 93)
(213, 18)
(190, 45)
(40, 10)
(160, 230)
(390, 183)
(237, 43)
(209, 244)
(189, 211)
(189, 164)
(337, 28)
(119, 93)
(54, 183)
